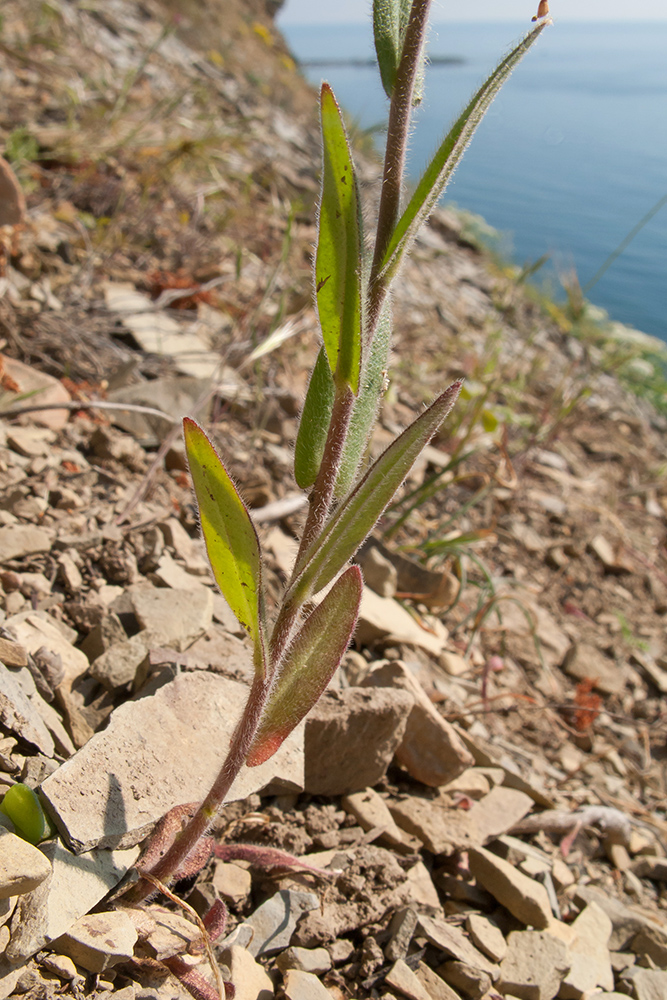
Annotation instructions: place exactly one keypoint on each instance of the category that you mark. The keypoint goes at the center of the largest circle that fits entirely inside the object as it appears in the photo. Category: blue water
(572, 154)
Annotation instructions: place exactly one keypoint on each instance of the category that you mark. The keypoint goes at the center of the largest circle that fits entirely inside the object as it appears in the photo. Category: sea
(570, 161)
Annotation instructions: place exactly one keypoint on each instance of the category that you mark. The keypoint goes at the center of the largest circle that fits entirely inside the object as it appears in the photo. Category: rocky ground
(478, 805)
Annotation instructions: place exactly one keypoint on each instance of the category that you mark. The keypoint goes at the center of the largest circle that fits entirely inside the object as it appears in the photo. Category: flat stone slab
(75, 885)
(157, 752)
(22, 866)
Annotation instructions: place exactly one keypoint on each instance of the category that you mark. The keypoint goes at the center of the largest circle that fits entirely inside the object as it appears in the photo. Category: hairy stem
(398, 129)
(322, 493)
(183, 844)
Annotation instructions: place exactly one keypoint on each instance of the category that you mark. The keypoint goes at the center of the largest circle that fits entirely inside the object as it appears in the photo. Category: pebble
(314, 960)
(351, 737)
(470, 981)
(304, 986)
(454, 942)
(232, 882)
(499, 811)
(534, 966)
(435, 985)
(249, 978)
(179, 617)
(97, 941)
(525, 898)
(431, 750)
(372, 813)
(19, 540)
(487, 936)
(440, 829)
(20, 714)
(401, 978)
(275, 921)
(584, 661)
(119, 665)
(401, 929)
(22, 866)
(379, 573)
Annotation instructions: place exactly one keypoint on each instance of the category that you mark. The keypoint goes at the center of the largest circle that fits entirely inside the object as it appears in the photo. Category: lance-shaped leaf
(448, 156)
(337, 262)
(390, 19)
(309, 665)
(230, 536)
(373, 383)
(357, 515)
(314, 423)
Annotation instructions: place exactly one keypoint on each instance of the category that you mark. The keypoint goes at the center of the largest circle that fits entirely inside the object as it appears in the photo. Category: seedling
(296, 654)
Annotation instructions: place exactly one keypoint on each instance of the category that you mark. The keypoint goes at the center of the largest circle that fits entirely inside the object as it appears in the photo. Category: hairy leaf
(448, 155)
(230, 536)
(390, 19)
(314, 423)
(337, 267)
(309, 665)
(357, 515)
(366, 404)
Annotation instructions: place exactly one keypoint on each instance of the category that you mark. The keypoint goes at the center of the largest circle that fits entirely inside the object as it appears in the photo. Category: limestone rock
(372, 812)
(131, 774)
(19, 540)
(431, 750)
(534, 966)
(36, 629)
(471, 982)
(436, 986)
(487, 936)
(351, 737)
(499, 811)
(20, 714)
(317, 961)
(250, 979)
(22, 866)
(401, 978)
(584, 662)
(440, 829)
(75, 885)
(118, 666)
(275, 921)
(179, 617)
(232, 882)
(525, 898)
(304, 986)
(454, 942)
(98, 941)
(384, 619)
(589, 955)
(647, 984)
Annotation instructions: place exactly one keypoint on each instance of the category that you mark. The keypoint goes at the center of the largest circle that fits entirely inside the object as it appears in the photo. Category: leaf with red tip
(230, 536)
(309, 665)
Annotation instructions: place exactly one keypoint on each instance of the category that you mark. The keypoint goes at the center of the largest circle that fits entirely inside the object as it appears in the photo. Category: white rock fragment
(487, 936)
(534, 966)
(589, 954)
(177, 617)
(250, 979)
(97, 941)
(158, 752)
(275, 921)
(304, 986)
(74, 887)
(525, 898)
(22, 866)
(401, 978)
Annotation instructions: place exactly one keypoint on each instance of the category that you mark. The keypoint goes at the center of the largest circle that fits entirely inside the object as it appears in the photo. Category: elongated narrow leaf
(230, 536)
(314, 423)
(310, 664)
(357, 515)
(390, 19)
(448, 155)
(337, 263)
(373, 381)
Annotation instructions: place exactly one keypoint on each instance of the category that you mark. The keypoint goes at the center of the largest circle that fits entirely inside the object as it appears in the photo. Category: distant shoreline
(371, 62)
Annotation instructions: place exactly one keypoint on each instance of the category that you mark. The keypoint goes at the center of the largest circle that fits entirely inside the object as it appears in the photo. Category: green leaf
(357, 515)
(390, 19)
(230, 536)
(310, 664)
(314, 424)
(338, 258)
(448, 156)
(366, 404)
(25, 811)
